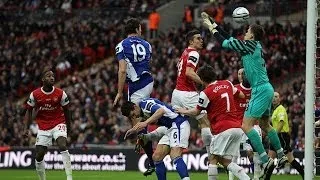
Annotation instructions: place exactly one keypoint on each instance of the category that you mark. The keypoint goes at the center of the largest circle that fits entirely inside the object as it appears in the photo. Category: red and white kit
(218, 100)
(50, 117)
(185, 94)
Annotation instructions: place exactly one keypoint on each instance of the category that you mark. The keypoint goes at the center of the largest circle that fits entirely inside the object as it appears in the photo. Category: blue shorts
(260, 102)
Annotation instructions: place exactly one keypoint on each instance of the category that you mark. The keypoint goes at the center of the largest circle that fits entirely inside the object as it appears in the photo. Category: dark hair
(190, 35)
(126, 108)
(207, 74)
(131, 25)
(45, 70)
(257, 32)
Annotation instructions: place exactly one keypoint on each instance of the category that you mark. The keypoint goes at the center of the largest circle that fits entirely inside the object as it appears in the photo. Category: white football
(240, 15)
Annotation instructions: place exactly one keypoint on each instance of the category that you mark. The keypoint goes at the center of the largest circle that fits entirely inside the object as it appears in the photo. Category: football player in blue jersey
(134, 54)
(175, 139)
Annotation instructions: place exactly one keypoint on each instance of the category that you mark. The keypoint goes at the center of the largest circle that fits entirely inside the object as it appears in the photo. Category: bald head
(276, 99)
(240, 75)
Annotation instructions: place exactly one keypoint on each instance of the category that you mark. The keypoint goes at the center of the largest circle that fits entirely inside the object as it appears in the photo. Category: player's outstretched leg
(274, 141)
(252, 134)
(147, 139)
(40, 164)
(161, 151)
(62, 143)
(149, 152)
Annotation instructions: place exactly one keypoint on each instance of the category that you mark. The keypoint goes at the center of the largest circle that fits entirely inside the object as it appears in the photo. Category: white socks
(238, 171)
(234, 159)
(40, 168)
(256, 165)
(67, 164)
(157, 134)
(212, 172)
(206, 138)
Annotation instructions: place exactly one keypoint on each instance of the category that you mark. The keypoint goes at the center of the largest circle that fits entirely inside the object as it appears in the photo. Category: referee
(281, 124)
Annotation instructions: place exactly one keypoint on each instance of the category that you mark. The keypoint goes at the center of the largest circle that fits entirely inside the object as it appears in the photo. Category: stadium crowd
(81, 54)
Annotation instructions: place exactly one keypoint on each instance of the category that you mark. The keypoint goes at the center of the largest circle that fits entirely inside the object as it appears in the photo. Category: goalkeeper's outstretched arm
(226, 41)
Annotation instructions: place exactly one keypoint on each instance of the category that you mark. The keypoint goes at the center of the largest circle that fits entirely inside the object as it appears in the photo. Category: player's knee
(40, 154)
(247, 125)
(157, 156)
(175, 152)
(62, 143)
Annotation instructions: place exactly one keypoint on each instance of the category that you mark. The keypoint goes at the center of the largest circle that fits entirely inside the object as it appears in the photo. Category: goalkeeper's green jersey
(252, 60)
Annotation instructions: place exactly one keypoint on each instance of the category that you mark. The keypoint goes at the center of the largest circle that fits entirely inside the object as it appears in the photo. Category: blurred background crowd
(81, 53)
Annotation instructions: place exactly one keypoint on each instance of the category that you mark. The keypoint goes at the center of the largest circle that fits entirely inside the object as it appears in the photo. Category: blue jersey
(137, 53)
(150, 105)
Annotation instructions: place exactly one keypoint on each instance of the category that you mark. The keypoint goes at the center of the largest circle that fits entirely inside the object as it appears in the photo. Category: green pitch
(109, 175)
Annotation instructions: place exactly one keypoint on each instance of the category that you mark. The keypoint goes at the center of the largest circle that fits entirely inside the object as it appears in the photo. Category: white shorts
(177, 136)
(44, 137)
(141, 94)
(186, 99)
(226, 143)
(246, 146)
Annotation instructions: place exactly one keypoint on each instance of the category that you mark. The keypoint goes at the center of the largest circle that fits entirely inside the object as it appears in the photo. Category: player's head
(254, 32)
(47, 77)
(130, 110)
(132, 26)
(240, 75)
(276, 98)
(194, 39)
(207, 74)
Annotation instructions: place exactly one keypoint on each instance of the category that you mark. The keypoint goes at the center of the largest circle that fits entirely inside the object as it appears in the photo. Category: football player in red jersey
(51, 114)
(241, 105)
(218, 100)
(185, 94)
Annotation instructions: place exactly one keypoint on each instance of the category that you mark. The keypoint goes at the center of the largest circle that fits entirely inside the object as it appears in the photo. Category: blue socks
(161, 170)
(181, 167)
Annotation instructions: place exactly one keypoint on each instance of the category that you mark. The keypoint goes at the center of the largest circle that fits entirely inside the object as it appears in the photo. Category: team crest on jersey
(55, 99)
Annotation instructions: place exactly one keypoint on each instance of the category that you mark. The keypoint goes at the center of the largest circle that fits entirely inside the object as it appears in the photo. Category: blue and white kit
(178, 126)
(137, 54)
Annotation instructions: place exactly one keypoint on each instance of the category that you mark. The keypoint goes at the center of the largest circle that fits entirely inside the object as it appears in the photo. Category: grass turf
(11, 174)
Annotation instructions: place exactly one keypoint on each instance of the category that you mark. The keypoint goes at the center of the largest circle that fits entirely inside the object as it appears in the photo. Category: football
(240, 15)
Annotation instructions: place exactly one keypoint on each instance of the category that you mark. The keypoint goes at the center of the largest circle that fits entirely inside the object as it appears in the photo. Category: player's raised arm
(122, 71)
(226, 41)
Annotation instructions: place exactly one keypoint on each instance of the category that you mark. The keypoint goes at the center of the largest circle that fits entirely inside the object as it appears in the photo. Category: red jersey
(189, 58)
(242, 103)
(50, 106)
(217, 99)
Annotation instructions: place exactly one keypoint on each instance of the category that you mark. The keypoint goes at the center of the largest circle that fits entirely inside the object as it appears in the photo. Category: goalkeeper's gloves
(208, 22)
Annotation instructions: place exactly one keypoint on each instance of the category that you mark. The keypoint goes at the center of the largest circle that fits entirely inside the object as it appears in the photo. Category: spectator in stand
(188, 17)
(154, 21)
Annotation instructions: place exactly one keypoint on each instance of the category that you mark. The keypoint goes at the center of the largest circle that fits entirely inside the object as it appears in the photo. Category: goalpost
(312, 16)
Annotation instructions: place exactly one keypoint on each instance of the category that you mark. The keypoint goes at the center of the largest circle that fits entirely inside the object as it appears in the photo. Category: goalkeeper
(259, 107)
